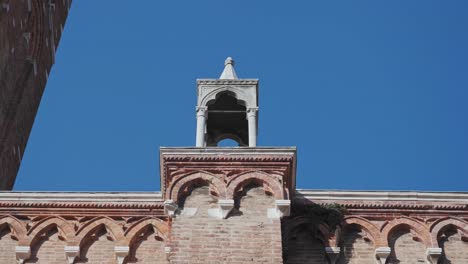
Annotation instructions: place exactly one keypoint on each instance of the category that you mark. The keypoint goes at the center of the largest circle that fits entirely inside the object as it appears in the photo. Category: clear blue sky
(373, 93)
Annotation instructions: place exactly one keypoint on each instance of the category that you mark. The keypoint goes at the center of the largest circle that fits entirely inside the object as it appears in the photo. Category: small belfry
(227, 109)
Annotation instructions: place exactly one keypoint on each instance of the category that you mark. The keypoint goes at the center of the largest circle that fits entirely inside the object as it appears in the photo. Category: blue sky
(374, 94)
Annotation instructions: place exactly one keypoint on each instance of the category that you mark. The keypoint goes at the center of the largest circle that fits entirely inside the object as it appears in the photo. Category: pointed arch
(160, 227)
(64, 227)
(264, 179)
(178, 185)
(421, 230)
(17, 228)
(439, 226)
(111, 226)
(367, 226)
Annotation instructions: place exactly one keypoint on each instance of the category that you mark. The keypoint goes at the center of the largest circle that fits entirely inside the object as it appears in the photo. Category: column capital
(433, 255)
(333, 254)
(252, 112)
(201, 110)
(72, 252)
(381, 254)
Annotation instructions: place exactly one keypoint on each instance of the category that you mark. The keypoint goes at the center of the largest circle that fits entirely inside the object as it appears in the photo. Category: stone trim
(226, 81)
(384, 195)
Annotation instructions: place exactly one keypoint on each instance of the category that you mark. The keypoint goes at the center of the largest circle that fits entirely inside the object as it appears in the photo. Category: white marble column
(201, 124)
(252, 119)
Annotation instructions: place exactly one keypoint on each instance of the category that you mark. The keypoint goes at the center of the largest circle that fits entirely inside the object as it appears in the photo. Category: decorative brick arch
(113, 228)
(266, 180)
(443, 224)
(419, 228)
(65, 229)
(160, 227)
(16, 227)
(182, 182)
(367, 226)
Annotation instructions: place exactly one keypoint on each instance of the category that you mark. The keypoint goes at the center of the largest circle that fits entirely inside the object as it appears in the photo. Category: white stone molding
(223, 210)
(333, 254)
(168, 251)
(283, 208)
(170, 208)
(381, 254)
(121, 252)
(72, 252)
(433, 255)
(22, 253)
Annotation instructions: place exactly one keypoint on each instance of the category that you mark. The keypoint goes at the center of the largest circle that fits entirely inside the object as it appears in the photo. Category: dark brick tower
(30, 31)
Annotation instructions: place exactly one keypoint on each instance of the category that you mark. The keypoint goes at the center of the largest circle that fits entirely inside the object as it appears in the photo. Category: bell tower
(227, 108)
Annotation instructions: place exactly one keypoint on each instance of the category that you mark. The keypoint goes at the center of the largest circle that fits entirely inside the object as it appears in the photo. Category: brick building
(30, 31)
(229, 205)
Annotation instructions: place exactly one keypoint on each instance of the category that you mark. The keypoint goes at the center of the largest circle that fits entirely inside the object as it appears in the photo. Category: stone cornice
(224, 82)
(385, 202)
(460, 197)
(81, 203)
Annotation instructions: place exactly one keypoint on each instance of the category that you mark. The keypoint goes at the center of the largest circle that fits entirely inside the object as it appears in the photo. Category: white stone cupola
(227, 108)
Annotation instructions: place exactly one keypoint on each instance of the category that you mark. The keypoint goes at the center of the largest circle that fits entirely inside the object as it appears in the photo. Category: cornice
(460, 197)
(95, 200)
(225, 81)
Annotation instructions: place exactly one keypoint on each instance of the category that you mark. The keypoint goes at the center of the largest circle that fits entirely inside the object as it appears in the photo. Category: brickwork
(455, 249)
(48, 249)
(305, 248)
(98, 248)
(406, 249)
(247, 236)
(149, 249)
(7, 246)
(356, 248)
(30, 32)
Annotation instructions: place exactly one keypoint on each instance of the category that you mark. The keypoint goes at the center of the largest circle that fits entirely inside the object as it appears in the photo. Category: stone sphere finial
(228, 60)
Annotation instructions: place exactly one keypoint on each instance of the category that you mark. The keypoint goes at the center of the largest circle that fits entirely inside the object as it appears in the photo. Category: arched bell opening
(227, 119)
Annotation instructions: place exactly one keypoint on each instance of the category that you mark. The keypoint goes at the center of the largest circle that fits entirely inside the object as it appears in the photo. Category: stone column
(252, 118)
(201, 124)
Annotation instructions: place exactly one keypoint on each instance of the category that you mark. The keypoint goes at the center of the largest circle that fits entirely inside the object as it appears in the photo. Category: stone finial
(229, 73)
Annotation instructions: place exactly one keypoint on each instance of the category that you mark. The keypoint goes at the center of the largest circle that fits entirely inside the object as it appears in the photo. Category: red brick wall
(27, 49)
(356, 249)
(49, 249)
(246, 236)
(305, 248)
(148, 250)
(455, 249)
(7, 246)
(405, 249)
(98, 249)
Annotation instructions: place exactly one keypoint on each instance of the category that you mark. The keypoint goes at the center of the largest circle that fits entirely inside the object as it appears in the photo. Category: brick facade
(230, 208)
(30, 32)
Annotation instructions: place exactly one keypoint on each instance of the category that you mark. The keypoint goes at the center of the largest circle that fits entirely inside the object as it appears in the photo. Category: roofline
(96, 197)
(382, 195)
